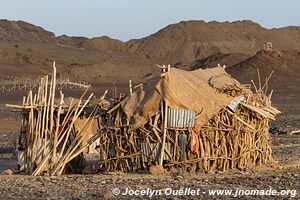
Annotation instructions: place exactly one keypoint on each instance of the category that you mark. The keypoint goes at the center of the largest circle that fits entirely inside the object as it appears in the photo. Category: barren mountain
(23, 32)
(27, 50)
(285, 64)
(190, 40)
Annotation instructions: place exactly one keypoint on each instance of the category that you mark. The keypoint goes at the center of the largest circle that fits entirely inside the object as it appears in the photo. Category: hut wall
(222, 144)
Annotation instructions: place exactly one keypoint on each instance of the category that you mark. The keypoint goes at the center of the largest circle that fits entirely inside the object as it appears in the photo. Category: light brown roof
(192, 90)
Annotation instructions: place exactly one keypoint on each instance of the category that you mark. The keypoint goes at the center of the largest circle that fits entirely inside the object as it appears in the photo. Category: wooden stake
(164, 134)
(57, 126)
(52, 98)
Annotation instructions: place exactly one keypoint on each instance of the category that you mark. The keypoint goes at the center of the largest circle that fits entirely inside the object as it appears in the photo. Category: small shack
(201, 120)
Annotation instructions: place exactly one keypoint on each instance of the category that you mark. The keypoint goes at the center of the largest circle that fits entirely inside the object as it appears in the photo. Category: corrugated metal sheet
(155, 150)
(181, 118)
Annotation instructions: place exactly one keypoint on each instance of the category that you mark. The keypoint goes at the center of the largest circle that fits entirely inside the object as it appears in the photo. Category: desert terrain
(27, 52)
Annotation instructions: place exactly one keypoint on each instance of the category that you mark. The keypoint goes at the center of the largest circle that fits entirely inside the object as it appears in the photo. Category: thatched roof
(192, 90)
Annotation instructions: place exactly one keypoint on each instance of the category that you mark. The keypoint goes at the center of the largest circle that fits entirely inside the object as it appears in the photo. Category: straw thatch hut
(201, 120)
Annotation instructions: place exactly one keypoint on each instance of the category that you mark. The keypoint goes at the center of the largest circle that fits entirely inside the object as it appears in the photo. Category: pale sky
(128, 19)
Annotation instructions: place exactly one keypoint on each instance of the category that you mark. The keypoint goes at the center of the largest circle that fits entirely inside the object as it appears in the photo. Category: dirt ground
(282, 176)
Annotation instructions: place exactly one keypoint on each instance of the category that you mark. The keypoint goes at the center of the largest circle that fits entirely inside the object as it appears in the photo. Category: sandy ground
(101, 185)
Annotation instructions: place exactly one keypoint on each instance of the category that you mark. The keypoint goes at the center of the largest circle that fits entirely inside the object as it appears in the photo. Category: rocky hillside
(187, 41)
(285, 64)
(23, 32)
(27, 50)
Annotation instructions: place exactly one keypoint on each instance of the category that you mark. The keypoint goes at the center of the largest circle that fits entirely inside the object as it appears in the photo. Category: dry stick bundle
(46, 126)
(75, 143)
(76, 111)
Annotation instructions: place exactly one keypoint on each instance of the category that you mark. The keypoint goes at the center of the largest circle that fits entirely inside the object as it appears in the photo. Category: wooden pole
(57, 126)
(30, 148)
(165, 119)
(47, 130)
(164, 134)
(52, 98)
(44, 129)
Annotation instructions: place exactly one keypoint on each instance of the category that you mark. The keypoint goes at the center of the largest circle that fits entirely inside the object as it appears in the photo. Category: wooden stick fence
(23, 84)
(48, 137)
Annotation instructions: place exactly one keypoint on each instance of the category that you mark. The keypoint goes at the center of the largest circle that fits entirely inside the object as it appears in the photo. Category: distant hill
(27, 50)
(23, 32)
(285, 64)
(187, 41)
